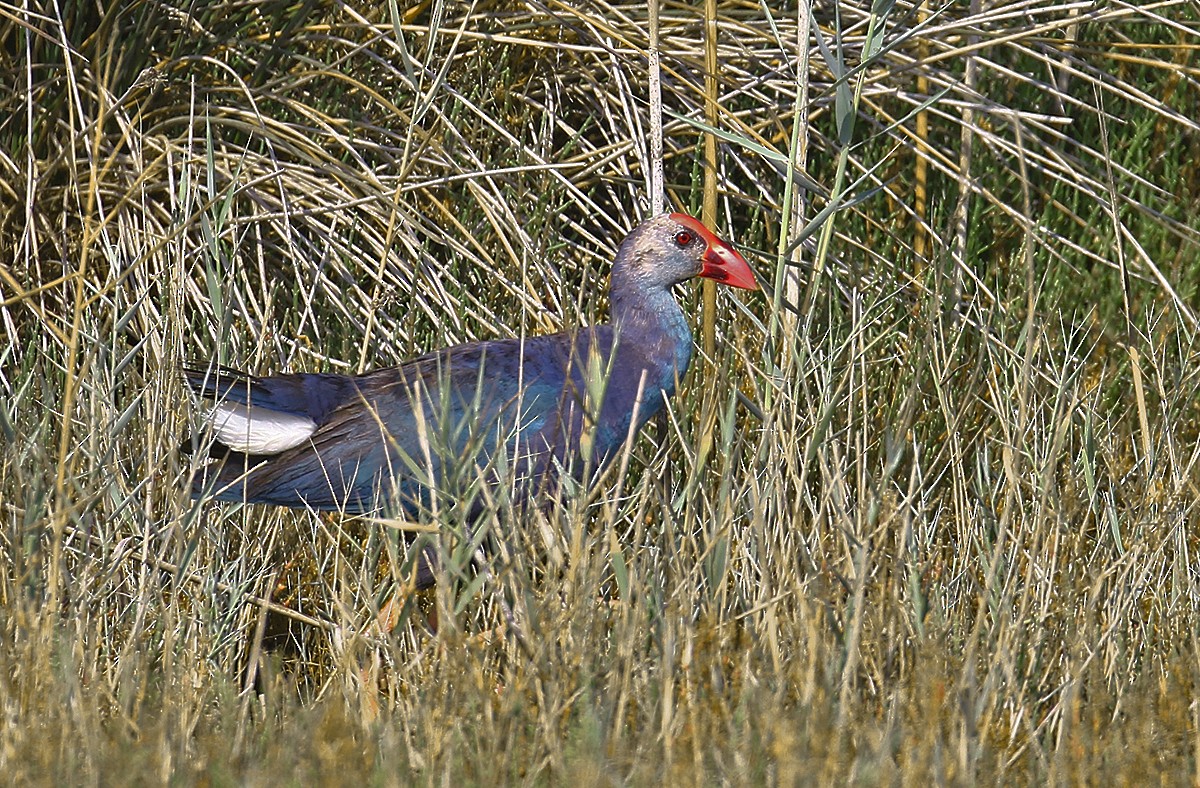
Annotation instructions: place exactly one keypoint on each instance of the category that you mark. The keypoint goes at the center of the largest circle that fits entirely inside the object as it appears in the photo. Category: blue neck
(652, 326)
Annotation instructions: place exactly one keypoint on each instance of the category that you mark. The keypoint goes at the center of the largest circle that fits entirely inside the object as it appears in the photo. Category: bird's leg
(480, 562)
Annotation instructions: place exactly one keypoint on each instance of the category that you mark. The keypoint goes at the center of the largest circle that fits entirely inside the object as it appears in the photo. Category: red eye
(683, 238)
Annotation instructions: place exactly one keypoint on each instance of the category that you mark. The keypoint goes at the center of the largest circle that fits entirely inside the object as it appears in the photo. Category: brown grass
(942, 527)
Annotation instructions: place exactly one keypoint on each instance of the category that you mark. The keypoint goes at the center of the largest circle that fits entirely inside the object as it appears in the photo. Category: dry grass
(928, 514)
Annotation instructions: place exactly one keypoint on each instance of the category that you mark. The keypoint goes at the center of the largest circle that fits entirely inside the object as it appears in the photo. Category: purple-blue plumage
(458, 422)
(306, 394)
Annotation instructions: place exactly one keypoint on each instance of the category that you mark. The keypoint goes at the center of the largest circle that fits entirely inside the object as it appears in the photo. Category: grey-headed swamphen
(516, 411)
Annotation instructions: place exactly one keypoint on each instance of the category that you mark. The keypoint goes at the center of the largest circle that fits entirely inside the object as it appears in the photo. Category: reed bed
(926, 513)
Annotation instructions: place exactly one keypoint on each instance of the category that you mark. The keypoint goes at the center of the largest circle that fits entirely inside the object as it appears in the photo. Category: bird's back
(454, 421)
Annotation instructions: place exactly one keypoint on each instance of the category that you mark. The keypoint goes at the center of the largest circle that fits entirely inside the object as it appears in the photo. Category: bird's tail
(226, 477)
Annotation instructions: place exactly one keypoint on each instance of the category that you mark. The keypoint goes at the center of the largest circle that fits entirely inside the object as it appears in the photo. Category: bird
(530, 412)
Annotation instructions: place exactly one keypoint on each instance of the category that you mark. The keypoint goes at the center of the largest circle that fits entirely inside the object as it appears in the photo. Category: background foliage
(928, 512)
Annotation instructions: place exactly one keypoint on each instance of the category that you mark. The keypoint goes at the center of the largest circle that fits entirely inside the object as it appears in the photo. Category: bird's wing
(434, 422)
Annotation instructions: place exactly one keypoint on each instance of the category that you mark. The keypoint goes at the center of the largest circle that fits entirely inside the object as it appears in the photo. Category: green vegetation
(929, 514)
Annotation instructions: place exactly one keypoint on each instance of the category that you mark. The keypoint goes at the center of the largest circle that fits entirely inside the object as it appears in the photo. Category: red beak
(721, 262)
